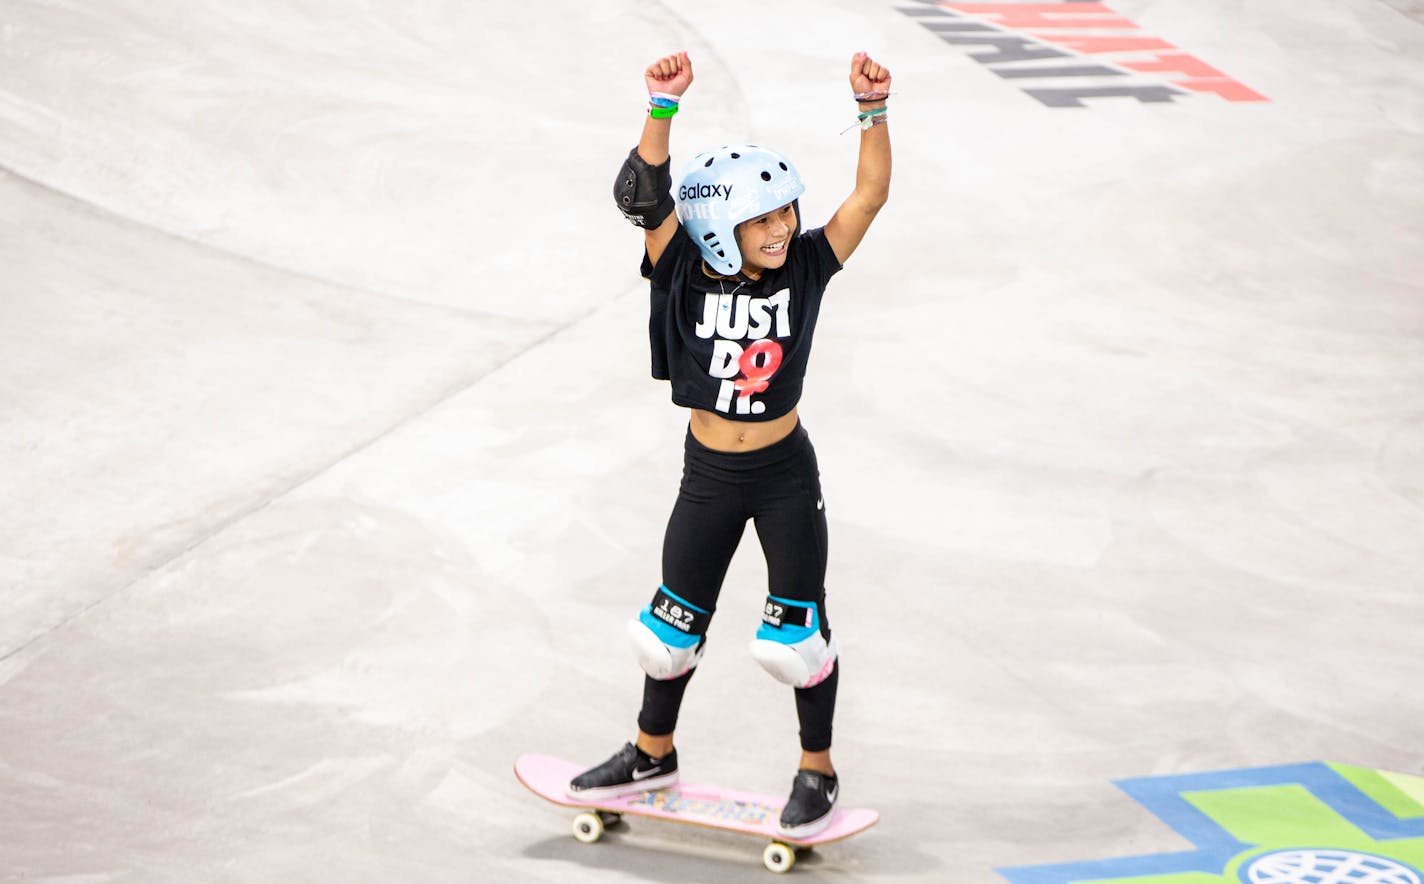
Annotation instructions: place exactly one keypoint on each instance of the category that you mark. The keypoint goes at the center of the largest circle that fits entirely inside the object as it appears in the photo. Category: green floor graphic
(1313, 823)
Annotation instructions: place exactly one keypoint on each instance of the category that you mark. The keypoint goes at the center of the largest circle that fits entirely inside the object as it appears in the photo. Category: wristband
(869, 119)
(662, 105)
(871, 96)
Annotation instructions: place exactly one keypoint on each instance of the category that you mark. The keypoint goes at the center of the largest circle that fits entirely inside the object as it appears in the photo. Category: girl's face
(764, 239)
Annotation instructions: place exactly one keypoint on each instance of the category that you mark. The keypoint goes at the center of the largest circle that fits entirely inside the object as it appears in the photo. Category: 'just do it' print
(745, 354)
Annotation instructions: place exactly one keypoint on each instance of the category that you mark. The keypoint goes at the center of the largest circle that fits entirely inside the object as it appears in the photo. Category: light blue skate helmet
(722, 188)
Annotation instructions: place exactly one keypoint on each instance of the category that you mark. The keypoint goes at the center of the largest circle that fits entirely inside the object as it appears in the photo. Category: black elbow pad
(643, 192)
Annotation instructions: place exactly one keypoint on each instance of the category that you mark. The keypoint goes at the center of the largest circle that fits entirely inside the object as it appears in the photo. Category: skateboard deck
(730, 810)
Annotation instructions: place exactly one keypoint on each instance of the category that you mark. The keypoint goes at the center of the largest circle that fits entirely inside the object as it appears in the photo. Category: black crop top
(735, 347)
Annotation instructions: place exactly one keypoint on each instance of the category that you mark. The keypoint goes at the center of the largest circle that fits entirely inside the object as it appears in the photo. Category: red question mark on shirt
(758, 372)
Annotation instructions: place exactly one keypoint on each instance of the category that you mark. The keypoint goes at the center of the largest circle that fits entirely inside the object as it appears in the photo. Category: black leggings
(780, 488)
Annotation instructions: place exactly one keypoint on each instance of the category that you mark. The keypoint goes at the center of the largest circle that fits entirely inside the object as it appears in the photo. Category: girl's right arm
(669, 75)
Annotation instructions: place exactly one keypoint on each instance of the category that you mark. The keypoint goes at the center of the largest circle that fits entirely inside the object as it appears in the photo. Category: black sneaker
(628, 772)
(808, 810)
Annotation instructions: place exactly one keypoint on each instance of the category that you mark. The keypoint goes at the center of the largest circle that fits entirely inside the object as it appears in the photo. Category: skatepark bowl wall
(331, 468)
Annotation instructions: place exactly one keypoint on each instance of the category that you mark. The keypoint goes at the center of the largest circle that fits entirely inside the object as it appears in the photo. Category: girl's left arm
(871, 83)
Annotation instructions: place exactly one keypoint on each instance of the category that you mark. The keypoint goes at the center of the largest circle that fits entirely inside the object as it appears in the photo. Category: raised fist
(671, 74)
(868, 75)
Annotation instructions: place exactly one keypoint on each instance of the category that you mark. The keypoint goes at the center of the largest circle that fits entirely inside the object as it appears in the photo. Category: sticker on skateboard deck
(727, 809)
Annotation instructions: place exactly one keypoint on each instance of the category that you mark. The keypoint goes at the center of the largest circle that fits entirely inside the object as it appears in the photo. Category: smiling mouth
(775, 248)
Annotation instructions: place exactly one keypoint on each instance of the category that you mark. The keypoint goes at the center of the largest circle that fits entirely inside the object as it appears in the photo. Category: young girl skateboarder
(736, 290)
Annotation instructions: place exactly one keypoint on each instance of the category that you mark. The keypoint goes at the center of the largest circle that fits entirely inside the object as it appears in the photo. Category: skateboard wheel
(778, 858)
(588, 827)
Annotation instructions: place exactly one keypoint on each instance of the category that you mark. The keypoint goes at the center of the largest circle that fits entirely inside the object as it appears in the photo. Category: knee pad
(668, 635)
(790, 646)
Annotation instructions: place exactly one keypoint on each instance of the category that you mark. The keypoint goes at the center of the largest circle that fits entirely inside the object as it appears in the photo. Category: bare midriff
(720, 434)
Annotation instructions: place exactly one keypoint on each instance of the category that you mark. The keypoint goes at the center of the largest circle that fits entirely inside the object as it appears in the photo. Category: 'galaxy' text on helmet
(704, 191)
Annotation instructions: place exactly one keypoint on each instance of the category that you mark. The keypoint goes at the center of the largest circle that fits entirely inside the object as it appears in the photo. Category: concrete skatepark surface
(330, 467)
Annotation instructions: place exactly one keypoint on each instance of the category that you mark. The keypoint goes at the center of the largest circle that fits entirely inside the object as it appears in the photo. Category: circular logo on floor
(1327, 866)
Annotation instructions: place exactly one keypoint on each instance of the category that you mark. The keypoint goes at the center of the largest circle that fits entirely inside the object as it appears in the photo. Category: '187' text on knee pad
(668, 635)
(790, 646)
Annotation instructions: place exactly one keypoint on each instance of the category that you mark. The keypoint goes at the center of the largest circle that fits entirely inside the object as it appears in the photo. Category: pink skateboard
(725, 809)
